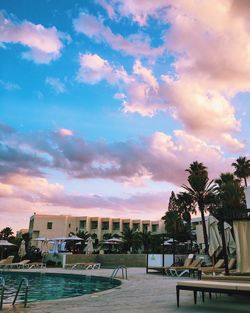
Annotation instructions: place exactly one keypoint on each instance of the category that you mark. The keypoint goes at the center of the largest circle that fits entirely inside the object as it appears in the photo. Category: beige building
(21, 232)
(52, 226)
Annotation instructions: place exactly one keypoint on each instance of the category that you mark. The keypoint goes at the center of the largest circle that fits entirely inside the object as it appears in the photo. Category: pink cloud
(108, 8)
(45, 43)
(140, 13)
(64, 132)
(186, 99)
(93, 69)
(132, 162)
(158, 158)
(135, 45)
(206, 79)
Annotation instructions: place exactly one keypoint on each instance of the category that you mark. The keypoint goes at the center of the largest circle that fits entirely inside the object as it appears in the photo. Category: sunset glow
(105, 103)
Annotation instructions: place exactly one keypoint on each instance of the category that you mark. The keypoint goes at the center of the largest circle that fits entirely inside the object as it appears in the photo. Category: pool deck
(147, 293)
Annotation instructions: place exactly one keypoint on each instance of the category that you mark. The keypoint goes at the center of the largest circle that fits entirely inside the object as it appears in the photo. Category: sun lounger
(187, 262)
(231, 288)
(218, 267)
(209, 269)
(7, 261)
(179, 271)
(36, 265)
(21, 264)
(84, 266)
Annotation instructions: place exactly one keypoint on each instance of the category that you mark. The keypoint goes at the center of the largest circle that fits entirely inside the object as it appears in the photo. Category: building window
(116, 226)
(136, 226)
(155, 228)
(94, 224)
(145, 227)
(105, 225)
(125, 226)
(82, 224)
(49, 225)
(69, 225)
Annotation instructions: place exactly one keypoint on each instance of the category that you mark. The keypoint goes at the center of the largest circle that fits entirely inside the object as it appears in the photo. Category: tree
(242, 168)
(131, 238)
(186, 207)
(230, 197)
(178, 215)
(107, 236)
(145, 239)
(201, 190)
(6, 233)
(230, 204)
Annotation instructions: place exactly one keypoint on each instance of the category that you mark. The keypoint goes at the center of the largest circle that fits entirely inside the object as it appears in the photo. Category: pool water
(48, 286)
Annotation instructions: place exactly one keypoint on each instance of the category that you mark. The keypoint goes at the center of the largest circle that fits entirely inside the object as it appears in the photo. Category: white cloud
(45, 44)
(56, 85)
(9, 86)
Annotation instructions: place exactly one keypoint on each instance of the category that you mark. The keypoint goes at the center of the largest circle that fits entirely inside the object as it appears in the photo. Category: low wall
(108, 260)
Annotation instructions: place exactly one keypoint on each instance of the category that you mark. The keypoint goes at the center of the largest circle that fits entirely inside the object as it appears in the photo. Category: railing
(24, 280)
(2, 284)
(123, 269)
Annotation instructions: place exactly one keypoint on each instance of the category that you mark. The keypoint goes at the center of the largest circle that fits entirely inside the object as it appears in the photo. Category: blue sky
(104, 104)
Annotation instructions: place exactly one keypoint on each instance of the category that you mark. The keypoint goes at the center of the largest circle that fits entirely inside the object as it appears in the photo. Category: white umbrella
(5, 243)
(89, 248)
(215, 242)
(22, 249)
(45, 247)
(113, 241)
(41, 238)
(62, 238)
(74, 238)
(169, 242)
(230, 243)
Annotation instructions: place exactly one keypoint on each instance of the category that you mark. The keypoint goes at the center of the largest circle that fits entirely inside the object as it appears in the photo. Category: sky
(104, 104)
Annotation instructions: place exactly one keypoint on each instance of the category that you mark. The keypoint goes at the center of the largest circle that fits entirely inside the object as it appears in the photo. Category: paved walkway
(147, 293)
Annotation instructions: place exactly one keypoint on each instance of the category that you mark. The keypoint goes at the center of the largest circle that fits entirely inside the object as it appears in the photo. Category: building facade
(52, 226)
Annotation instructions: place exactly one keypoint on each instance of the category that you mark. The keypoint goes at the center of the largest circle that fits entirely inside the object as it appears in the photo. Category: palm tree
(145, 239)
(107, 236)
(230, 203)
(242, 168)
(200, 189)
(131, 240)
(6, 233)
(230, 196)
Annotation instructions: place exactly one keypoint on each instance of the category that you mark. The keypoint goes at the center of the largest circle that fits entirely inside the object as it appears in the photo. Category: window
(82, 224)
(49, 225)
(136, 226)
(94, 224)
(145, 227)
(125, 226)
(155, 227)
(116, 226)
(105, 225)
(69, 225)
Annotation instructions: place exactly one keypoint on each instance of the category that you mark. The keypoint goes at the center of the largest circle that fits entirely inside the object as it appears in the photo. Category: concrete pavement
(147, 293)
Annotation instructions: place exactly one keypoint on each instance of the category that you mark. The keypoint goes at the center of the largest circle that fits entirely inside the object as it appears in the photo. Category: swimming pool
(50, 286)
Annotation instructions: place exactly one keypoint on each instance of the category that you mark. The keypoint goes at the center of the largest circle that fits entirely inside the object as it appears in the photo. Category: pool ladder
(3, 288)
(123, 269)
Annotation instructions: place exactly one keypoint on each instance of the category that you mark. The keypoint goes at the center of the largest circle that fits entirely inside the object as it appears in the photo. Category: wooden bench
(231, 288)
